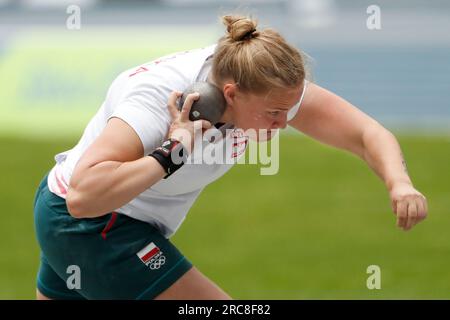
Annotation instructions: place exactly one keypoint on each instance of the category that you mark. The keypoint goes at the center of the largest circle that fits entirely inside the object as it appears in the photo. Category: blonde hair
(257, 60)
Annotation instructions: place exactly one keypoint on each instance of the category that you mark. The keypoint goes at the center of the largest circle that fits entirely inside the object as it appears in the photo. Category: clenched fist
(408, 204)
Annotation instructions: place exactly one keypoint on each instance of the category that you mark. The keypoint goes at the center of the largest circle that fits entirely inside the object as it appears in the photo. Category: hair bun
(240, 28)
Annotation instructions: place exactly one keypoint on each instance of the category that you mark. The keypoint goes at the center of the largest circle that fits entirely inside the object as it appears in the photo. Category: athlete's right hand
(181, 128)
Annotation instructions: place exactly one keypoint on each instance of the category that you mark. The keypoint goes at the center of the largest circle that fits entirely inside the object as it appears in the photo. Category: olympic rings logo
(157, 262)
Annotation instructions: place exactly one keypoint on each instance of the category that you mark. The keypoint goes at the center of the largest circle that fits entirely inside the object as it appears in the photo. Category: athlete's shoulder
(185, 63)
(191, 54)
(152, 82)
(177, 65)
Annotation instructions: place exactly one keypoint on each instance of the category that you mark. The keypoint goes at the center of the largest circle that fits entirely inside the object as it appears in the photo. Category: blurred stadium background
(308, 232)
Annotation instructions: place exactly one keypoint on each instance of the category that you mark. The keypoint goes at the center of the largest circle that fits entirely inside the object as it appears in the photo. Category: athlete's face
(262, 111)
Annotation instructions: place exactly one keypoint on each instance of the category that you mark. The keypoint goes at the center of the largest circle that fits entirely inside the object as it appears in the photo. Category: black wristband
(171, 156)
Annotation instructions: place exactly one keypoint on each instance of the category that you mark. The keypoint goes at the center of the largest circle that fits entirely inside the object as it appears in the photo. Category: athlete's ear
(230, 92)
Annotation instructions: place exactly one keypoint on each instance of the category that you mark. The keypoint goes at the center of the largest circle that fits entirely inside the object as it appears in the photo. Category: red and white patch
(149, 252)
(240, 142)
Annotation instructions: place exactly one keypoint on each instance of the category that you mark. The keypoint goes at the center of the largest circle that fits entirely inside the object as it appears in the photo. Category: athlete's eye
(274, 113)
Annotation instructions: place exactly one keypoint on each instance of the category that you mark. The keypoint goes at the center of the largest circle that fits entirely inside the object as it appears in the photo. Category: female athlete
(104, 214)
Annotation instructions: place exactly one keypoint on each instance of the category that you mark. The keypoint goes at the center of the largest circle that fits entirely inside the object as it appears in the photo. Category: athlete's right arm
(112, 170)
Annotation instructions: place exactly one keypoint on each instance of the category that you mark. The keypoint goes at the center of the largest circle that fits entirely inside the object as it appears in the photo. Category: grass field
(308, 232)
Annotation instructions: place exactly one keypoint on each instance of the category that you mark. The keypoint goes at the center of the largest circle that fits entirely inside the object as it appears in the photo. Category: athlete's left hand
(408, 204)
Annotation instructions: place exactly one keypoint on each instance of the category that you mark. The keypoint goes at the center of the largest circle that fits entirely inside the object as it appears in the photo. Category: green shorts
(109, 257)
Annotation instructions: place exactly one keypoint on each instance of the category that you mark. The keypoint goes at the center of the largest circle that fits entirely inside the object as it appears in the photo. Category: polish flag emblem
(149, 252)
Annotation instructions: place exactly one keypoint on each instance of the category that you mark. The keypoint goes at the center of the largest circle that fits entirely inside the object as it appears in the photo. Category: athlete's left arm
(332, 120)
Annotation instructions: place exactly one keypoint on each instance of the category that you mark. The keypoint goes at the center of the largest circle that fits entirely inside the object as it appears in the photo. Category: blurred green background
(309, 231)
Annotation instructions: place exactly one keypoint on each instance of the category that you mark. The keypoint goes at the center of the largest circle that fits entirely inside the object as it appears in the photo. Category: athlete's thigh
(193, 285)
(51, 286)
(112, 257)
(40, 296)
